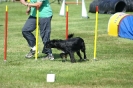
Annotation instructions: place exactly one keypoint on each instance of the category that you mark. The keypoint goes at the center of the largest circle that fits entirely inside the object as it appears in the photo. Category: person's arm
(24, 3)
(31, 4)
(28, 10)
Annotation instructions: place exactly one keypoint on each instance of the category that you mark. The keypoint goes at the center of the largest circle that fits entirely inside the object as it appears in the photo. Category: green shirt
(44, 11)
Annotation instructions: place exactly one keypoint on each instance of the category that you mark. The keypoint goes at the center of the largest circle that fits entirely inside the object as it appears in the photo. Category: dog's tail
(70, 36)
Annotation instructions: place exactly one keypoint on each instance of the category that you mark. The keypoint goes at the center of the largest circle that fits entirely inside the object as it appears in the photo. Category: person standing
(45, 16)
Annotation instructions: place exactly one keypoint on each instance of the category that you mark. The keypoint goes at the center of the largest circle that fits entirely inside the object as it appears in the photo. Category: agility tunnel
(121, 24)
(111, 6)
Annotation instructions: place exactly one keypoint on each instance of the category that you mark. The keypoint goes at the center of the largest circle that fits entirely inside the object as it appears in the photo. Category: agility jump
(64, 3)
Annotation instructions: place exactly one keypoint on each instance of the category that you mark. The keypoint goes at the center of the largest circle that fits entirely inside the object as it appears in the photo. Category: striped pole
(5, 34)
(66, 21)
(37, 20)
(96, 28)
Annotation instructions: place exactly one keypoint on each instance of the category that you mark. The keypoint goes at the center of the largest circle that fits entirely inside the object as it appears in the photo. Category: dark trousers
(45, 30)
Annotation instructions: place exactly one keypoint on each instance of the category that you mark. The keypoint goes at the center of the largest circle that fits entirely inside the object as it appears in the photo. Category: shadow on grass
(57, 58)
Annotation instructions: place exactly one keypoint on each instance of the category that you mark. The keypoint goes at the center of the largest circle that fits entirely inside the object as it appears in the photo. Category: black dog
(69, 46)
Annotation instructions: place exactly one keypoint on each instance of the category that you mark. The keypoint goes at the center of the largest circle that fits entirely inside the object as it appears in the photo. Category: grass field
(114, 68)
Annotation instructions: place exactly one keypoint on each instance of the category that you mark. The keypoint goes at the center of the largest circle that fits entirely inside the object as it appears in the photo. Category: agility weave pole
(96, 28)
(5, 33)
(66, 4)
(66, 21)
(28, 0)
(37, 28)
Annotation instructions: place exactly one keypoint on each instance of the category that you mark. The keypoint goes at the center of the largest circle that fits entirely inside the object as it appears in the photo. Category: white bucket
(50, 77)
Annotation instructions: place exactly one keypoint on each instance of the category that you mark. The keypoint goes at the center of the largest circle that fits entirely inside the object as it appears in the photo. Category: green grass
(112, 70)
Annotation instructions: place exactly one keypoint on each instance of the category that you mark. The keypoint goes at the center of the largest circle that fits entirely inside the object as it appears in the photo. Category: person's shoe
(48, 56)
(30, 54)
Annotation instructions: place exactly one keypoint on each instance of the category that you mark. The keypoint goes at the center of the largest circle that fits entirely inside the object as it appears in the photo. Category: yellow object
(95, 40)
(6, 8)
(37, 28)
(114, 23)
(28, 0)
(67, 8)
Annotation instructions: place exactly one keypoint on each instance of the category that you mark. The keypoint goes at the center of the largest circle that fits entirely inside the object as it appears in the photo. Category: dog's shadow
(58, 58)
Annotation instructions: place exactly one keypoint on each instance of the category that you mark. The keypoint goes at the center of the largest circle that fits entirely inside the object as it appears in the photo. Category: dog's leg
(85, 56)
(83, 50)
(72, 57)
(78, 53)
(63, 56)
(66, 56)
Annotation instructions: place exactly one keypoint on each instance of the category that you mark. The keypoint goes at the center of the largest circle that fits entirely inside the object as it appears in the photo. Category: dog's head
(51, 44)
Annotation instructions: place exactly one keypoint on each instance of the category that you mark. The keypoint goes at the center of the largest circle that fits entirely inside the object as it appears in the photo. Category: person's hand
(28, 10)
